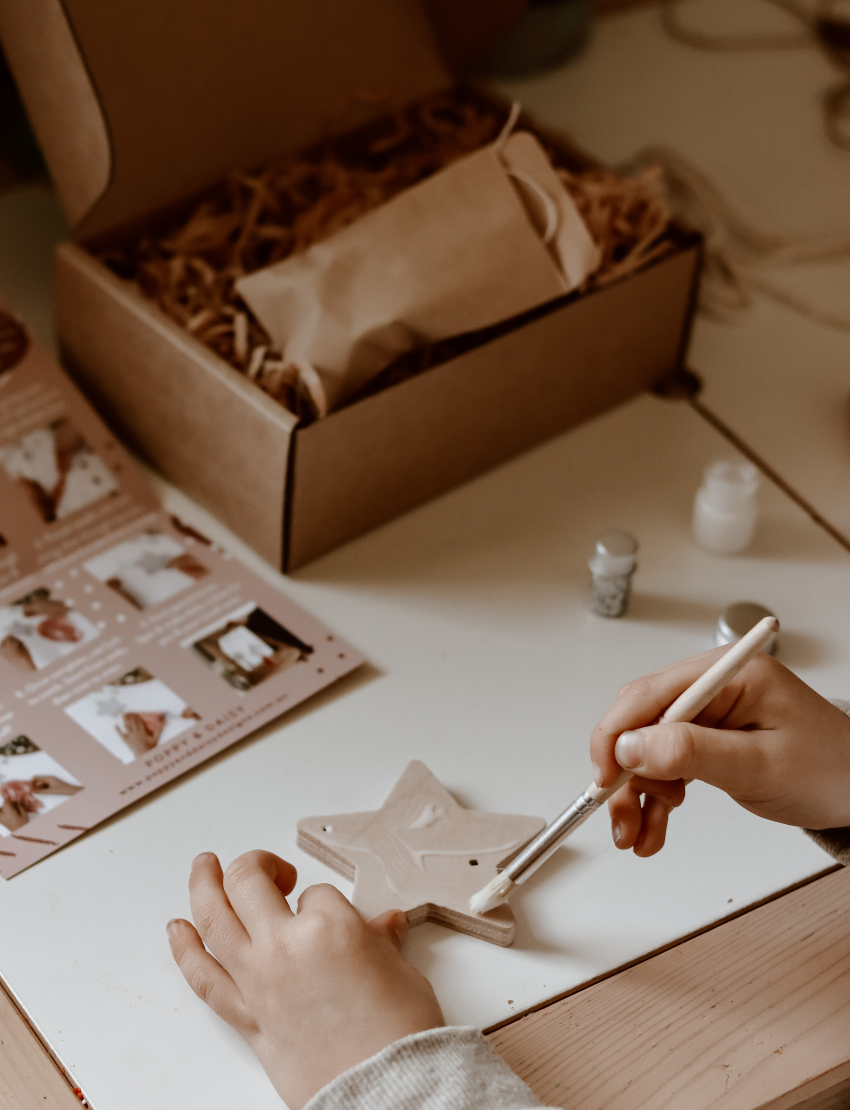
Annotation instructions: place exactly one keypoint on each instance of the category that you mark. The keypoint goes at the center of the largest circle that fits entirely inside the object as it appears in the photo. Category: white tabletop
(484, 664)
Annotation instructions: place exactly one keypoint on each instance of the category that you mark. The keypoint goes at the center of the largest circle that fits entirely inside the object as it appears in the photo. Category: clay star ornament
(423, 853)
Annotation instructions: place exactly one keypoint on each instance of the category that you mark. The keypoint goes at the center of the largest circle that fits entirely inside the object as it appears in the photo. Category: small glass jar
(726, 507)
(612, 565)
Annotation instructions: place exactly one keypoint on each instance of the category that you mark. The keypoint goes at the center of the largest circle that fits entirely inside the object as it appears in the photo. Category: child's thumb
(724, 758)
(390, 925)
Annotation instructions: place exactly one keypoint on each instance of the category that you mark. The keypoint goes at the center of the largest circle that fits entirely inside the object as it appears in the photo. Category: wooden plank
(751, 1015)
(29, 1078)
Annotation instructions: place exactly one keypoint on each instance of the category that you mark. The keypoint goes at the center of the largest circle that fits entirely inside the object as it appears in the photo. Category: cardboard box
(141, 106)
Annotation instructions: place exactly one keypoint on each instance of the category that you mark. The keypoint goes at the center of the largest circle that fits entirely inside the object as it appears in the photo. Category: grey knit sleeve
(834, 841)
(452, 1068)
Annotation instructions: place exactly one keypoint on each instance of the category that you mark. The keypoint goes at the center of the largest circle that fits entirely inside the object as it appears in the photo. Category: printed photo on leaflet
(249, 647)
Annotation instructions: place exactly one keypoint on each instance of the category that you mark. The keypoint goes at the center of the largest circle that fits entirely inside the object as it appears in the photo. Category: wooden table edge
(579, 1048)
(30, 1076)
(620, 968)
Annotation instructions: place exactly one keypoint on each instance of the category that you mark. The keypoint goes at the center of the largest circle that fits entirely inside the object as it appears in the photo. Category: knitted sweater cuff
(453, 1068)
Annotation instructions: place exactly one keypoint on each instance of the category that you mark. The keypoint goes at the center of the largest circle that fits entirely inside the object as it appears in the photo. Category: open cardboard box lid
(139, 104)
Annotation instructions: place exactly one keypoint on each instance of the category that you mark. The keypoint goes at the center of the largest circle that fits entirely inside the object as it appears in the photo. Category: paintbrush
(684, 708)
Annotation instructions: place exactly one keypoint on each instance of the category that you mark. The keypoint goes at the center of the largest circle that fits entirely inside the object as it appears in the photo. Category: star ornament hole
(327, 828)
(473, 863)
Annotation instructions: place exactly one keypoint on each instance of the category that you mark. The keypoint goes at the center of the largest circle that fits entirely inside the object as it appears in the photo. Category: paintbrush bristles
(496, 892)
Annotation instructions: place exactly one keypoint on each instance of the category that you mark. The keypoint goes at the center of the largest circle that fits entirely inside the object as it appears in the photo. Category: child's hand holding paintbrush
(321, 992)
(712, 675)
(775, 746)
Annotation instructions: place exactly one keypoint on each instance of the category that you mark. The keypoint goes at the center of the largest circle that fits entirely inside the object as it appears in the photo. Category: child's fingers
(257, 884)
(653, 829)
(628, 814)
(207, 978)
(219, 927)
(624, 810)
(639, 703)
(726, 758)
(390, 925)
(323, 896)
(671, 793)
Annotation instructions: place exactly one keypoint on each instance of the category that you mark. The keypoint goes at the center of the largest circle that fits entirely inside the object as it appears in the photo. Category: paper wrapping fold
(462, 250)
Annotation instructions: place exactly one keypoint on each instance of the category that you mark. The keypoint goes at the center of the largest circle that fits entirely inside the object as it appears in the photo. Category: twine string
(827, 28)
(738, 254)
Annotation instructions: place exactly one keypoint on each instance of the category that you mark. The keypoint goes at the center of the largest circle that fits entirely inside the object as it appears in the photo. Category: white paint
(429, 816)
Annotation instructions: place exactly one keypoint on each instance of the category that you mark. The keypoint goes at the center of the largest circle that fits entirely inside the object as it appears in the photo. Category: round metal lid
(737, 619)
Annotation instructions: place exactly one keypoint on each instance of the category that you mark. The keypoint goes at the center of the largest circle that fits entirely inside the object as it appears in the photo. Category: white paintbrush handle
(697, 696)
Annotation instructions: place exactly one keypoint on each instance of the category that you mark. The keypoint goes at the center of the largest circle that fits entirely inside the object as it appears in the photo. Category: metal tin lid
(737, 619)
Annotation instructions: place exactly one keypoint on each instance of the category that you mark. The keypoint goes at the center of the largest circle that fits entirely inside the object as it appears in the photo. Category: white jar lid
(616, 553)
(730, 484)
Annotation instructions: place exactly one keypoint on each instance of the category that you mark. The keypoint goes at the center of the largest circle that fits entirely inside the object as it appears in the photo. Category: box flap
(192, 89)
(60, 100)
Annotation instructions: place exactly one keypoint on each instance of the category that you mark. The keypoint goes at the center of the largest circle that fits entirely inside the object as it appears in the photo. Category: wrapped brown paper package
(493, 235)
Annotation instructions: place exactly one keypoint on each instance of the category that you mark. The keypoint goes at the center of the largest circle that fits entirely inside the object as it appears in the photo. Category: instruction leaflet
(131, 647)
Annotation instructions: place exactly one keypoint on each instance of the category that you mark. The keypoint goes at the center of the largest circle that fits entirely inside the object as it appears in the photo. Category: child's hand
(313, 994)
(773, 744)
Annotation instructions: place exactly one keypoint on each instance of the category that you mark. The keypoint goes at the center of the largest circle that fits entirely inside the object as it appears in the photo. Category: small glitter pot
(736, 621)
(612, 565)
